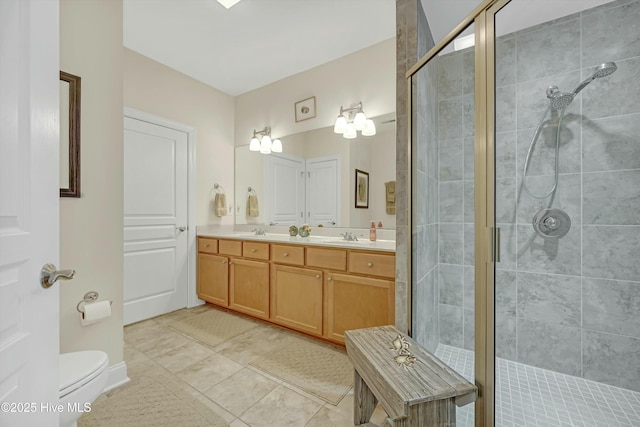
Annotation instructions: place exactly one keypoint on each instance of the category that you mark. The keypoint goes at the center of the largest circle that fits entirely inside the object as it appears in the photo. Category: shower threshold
(530, 396)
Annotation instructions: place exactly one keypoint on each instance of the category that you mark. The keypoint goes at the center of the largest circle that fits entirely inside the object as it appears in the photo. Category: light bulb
(350, 132)
(276, 146)
(359, 121)
(265, 145)
(255, 144)
(341, 124)
(369, 128)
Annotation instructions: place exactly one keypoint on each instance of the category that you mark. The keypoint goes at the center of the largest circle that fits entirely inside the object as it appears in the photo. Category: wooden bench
(413, 386)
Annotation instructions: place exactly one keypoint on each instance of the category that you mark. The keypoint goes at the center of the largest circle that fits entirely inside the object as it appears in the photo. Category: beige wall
(154, 88)
(91, 226)
(368, 75)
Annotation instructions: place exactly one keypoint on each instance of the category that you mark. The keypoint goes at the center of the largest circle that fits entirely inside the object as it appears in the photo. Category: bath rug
(149, 402)
(213, 326)
(313, 367)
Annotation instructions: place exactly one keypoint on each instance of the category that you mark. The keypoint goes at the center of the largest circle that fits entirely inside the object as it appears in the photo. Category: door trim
(192, 298)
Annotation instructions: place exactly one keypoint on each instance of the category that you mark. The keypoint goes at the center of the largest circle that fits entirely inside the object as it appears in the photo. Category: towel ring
(219, 189)
(251, 191)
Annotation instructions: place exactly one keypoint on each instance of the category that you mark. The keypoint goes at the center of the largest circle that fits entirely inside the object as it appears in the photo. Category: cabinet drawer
(285, 254)
(230, 247)
(209, 246)
(372, 264)
(334, 259)
(255, 250)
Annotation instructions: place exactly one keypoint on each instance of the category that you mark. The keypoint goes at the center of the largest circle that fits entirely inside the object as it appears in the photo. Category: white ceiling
(256, 42)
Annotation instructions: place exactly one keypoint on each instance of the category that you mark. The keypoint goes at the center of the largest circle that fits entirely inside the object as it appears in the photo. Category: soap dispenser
(372, 231)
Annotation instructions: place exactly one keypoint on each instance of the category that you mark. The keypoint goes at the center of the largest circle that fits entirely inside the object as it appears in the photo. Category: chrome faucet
(259, 231)
(350, 237)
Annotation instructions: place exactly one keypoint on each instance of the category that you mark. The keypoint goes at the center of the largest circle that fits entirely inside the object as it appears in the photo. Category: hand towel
(390, 197)
(252, 205)
(220, 204)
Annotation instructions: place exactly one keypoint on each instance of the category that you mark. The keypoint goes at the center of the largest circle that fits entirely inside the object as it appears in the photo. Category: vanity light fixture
(354, 120)
(261, 141)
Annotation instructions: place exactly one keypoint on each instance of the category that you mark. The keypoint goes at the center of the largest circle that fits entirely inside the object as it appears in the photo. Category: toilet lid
(78, 368)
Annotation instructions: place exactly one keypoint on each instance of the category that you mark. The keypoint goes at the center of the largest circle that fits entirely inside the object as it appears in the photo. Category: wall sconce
(354, 120)
(261, 141)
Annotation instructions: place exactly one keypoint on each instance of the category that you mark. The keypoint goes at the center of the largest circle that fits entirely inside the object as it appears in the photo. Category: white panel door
(323, 188)
(29, 211)
(155, 220)
(284, 189)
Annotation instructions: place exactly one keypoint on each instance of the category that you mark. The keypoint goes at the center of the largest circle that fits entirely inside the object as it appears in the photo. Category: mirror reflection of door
(284, 190)
(289, 178)
(323, 188)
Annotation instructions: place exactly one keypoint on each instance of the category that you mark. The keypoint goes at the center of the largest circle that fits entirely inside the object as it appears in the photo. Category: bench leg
(364, 402)
(438, 413)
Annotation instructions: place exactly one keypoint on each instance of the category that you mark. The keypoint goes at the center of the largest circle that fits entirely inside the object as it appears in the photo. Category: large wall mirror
(313, 180)
(69, 135)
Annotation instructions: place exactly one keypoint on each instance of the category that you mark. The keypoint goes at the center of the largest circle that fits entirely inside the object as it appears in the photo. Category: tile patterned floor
(528, 396)
(220, 378)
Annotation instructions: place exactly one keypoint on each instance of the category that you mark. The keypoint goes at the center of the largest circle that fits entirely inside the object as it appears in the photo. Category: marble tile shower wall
(570, 305)
(425, 250)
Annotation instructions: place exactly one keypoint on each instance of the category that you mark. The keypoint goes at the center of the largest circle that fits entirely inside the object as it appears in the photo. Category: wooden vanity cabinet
(213, 279)
(296, 298)
(320, 291)
(354, 302)
(249, 287)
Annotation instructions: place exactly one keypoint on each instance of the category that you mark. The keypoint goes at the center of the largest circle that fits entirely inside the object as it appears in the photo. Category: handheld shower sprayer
(559, 100)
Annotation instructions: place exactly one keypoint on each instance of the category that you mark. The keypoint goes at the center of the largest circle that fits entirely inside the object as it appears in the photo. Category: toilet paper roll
(95, 312)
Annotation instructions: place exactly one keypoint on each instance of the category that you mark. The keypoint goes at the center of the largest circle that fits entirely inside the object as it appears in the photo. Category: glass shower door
(443, 210)
(567, 203)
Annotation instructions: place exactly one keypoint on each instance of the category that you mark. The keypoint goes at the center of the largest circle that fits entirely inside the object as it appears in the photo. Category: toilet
(83, 376)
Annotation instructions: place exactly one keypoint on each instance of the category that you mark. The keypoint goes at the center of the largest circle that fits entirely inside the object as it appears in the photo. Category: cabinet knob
(253, 250)
(224, 262)
(230, 262)
(285, 254)
(317, 276)
(369, 264)
(206, 245)
(329, 279)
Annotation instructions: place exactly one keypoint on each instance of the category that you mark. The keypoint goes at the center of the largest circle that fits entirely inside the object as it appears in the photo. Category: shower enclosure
(525, 218)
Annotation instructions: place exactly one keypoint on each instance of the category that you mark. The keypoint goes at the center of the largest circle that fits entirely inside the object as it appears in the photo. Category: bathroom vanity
(321, 286)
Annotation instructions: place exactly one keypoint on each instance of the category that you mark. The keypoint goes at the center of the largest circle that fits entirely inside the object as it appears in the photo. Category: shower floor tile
(529, 396)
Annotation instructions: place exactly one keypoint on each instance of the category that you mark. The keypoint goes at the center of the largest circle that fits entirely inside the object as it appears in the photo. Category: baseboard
(117, 376)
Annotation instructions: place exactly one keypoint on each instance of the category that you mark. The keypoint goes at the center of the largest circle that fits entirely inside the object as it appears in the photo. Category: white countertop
(326, 240)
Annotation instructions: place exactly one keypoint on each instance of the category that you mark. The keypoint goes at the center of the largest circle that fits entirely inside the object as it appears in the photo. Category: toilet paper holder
(89, 297)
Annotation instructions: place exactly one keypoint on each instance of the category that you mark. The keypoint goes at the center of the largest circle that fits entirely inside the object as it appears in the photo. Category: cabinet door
(213, 279)
(249, 287)
(354, 302)
(296, 298)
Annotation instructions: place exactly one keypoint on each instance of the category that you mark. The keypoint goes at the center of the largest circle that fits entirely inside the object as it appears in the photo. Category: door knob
(181, 228)
(49, 275)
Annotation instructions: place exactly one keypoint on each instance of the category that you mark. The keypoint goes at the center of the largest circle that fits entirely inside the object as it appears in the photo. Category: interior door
(29, 210)
(155, 220)
(284, 189)
(323, 188)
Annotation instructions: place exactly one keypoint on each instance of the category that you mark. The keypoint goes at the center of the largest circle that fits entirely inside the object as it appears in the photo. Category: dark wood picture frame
(73, 189)
(362, 190)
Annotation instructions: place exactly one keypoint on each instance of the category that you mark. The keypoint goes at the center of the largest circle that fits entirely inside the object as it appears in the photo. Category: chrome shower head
(561, 100)
(558, 100)
(602, 70)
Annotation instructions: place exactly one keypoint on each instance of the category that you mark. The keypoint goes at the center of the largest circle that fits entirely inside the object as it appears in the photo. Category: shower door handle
(497, 244)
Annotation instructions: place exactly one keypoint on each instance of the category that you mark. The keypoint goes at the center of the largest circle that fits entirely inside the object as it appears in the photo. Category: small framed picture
(305, 109)
(362, 189)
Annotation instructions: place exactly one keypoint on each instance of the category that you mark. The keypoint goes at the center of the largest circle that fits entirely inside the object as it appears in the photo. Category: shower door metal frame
(483, 18)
